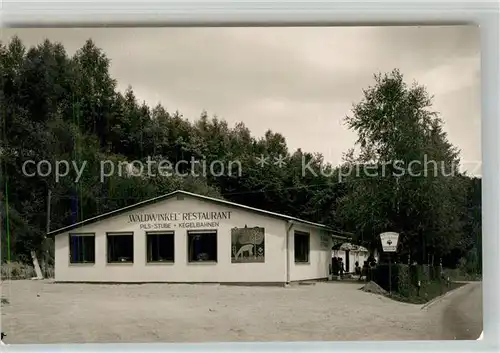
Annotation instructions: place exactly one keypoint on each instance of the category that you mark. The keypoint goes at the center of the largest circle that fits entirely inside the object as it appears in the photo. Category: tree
(404, 177)
(56, 107)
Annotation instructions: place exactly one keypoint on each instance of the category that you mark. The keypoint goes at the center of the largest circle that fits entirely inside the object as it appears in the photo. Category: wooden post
(36, 265)
(49, 194)
(1, 259)
(46, 251)
(409, 274)
(390, 274)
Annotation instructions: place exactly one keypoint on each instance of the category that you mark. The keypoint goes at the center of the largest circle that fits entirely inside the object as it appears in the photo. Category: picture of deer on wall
(247, 245)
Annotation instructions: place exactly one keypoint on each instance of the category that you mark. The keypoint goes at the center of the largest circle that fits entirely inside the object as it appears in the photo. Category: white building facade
(187, 238)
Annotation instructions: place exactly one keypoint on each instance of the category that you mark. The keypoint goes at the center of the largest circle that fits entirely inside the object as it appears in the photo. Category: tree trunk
(36, 265)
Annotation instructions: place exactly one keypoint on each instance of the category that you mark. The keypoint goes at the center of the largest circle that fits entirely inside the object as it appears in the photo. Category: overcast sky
(300, 82)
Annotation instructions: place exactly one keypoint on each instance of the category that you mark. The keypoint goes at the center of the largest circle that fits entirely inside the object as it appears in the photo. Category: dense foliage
(56, 107)
(416, 284)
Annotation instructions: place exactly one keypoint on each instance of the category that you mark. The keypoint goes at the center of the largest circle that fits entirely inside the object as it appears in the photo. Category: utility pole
(1, 235)
(46, 252)
(49, 195)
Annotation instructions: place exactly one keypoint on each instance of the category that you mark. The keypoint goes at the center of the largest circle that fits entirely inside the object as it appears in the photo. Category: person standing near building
(357, 269)
(364, 271)
(336, 267)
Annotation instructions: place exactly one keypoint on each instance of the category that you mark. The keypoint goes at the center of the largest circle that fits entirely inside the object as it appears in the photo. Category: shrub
(18, 270)
(415, 273)
(458, 274)
(380, 275)
(48, 272)
(404, 280)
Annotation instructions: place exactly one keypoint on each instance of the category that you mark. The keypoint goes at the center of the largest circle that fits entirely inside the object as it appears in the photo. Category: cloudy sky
(300, 82)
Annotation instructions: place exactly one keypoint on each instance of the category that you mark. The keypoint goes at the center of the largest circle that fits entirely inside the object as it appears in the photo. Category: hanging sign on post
(389, 241)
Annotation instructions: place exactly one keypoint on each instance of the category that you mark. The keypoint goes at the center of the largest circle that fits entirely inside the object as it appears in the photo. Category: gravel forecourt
(46, 312)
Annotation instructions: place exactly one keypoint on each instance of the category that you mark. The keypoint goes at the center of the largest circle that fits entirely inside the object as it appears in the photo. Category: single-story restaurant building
(183, 237)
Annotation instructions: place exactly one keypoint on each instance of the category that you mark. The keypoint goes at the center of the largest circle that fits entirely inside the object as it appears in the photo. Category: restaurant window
(82, 248)
(302, 247)
(202, 246)
(120, 247)
(160, 246)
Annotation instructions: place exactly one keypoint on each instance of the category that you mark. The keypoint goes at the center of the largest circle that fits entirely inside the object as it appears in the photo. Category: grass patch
(4, 301)
(428, 292)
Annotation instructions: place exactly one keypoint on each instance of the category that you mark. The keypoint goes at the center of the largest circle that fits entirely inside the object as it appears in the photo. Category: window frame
(297, 234)
(117, 234)
(213, 232)
(81, 235)
(160, 233)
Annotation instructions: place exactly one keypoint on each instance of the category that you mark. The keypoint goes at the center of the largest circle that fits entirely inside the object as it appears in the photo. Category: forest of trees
(57, 107)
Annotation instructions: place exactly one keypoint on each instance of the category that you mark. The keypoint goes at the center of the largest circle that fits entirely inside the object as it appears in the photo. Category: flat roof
(334, 233)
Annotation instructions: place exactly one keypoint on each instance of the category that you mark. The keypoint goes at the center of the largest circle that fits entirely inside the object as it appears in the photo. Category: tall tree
(61, 108)
(404, 177)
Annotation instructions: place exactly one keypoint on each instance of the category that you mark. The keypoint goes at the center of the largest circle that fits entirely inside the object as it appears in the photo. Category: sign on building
(389, 241)
(325, 241)
(247, 244)
(183, 220)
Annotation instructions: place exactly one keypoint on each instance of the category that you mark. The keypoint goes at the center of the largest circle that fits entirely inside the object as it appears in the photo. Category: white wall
(272, 270)
(319, 257)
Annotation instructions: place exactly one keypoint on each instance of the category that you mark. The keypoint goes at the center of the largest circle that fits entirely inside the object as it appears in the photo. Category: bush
(416, 274)
(49, 272)
(18, 270)
(458, 274)
(380, 275)
(405, 279)
(471, 263)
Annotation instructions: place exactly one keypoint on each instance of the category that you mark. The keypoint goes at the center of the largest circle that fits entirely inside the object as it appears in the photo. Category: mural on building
(247, 244)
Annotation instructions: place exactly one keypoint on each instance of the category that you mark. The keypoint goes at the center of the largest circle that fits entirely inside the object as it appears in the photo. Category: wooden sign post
(389, 242)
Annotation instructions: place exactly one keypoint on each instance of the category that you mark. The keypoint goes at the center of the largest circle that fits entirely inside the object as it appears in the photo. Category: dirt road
(44, 312)
(463, 314)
